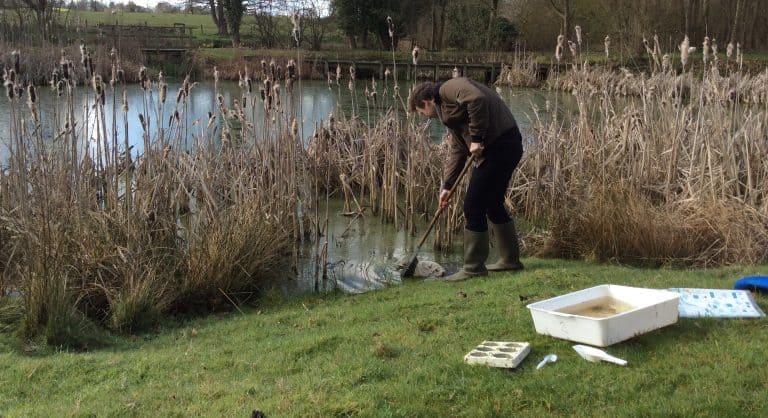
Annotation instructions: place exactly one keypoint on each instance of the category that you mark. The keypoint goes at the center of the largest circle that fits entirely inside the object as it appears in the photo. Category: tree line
(463, 24)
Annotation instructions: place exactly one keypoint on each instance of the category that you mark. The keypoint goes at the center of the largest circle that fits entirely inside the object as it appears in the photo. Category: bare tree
(564, 9)
(494, 11)
(219, 18)
(43, 10)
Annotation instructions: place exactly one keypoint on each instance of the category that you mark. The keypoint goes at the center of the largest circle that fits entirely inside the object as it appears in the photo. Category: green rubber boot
(475, 254)
(509, 250)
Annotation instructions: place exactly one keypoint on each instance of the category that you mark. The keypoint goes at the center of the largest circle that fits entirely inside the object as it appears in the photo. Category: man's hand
(445, 198)
(476, 149)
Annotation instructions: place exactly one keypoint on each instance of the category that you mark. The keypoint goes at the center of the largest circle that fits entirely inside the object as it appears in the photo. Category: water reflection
(317, 102)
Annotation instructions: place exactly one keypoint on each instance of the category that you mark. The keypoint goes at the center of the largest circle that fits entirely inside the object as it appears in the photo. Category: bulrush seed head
(415, 55)
(607, 43)
(578, 34)
(291, 67)
(15, 58)
(390, 27)
(8, 89)
(684, 50)
(143, 77)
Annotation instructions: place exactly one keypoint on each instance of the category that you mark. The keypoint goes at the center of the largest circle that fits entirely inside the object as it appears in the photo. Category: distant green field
(197, 21)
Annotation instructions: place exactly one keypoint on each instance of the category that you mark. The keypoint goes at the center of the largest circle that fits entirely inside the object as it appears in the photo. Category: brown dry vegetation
(677, 174)
(674, 174)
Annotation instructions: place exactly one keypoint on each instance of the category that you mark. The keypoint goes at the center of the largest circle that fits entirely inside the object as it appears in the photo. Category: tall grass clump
(95, 234)
(664, 168)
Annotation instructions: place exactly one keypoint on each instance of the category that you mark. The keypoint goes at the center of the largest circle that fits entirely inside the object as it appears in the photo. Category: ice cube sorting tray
(649, 309)
(498, 354)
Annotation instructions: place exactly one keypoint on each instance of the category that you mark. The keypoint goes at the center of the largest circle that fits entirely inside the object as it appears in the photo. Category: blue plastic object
(752, 283)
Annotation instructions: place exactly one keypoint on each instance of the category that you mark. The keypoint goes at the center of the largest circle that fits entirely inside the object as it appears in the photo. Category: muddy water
(363, 254)
(603, 307)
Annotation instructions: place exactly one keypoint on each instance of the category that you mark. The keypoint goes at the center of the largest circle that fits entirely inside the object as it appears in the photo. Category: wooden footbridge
(436, 70)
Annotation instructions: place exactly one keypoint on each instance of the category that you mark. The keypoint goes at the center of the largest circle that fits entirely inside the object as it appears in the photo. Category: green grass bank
(398, 352)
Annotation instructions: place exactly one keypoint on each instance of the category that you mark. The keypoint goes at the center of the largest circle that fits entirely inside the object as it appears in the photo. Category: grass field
(398, 352)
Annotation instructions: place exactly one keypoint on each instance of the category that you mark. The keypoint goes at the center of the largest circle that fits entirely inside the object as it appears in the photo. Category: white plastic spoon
(549, 358)
(595, 355)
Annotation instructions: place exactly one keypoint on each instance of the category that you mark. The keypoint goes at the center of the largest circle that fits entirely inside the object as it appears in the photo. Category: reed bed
(674, 174)
(205, 217)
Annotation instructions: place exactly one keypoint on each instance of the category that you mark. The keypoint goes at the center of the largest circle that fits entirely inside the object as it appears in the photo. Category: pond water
(362, 252)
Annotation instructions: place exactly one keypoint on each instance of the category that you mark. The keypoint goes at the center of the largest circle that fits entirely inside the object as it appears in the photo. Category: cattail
(714, 50)
(211, 120)
(739, 55)
(705, 49)
(220, 100)
(373, 97)
(143, 123)
(331, 121)
(291, 67)
(455, 72)
(54, 78)
(684, 50)
(187, 86)
(572, 48)
(276, 94)
(125, 101)
(264, 67)
(143, 77)
(120, 75)
(367, 94)
(351, 86)
(352, 72)
(31, 96)
(559, 47)
(578, 34)
(665, 63)
(113, 76)
(163, 91)
(60, 88)
(180, 95)
(729, 50)
(294, 128)
(215, 74)
(98, 89)
(387, 73)
(8, 89)
(15, 58)
(607, 43)
(296, 20)
(338, 73)
(113, 54)
(415, 54)
(391, 28)
(272, 68)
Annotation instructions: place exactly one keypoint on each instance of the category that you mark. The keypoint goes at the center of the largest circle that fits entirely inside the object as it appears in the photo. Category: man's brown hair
(420, 92)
